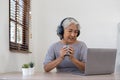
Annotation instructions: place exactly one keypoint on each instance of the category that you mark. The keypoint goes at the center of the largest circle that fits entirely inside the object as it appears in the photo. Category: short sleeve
(84, 50)
(50, 56)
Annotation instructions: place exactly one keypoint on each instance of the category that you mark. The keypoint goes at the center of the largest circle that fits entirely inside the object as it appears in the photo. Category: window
(19, 25)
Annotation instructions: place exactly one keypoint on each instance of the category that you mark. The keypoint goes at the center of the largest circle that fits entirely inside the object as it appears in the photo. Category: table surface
(56, 76)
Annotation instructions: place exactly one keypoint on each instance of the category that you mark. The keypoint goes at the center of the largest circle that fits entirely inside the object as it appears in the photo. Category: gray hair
(69, 21)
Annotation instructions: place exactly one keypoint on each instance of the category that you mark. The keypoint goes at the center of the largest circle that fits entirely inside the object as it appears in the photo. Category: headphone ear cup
(78, 33)
(60, 31)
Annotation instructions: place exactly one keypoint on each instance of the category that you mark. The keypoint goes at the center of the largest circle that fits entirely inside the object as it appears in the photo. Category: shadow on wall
(118, 50)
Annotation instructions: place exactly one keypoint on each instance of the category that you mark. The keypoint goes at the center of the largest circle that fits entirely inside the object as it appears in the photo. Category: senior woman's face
(70, 33)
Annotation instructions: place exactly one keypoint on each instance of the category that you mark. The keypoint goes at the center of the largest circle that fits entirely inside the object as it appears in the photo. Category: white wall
(98, 20)
(8, 61)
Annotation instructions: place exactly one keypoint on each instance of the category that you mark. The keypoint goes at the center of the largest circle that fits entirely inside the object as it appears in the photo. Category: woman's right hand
(63, 52)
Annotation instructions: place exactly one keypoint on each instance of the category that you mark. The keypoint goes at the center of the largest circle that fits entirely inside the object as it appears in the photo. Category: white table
(56, 76)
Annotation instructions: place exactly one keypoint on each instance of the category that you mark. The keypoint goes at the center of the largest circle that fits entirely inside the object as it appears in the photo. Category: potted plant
(25, 69)
(28, 69)
(31, 68)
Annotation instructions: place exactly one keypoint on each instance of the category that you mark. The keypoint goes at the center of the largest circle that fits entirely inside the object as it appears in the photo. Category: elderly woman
(68, 54)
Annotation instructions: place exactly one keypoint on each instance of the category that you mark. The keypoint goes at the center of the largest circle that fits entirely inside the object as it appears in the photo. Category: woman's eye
(69, 31)
(76, 31)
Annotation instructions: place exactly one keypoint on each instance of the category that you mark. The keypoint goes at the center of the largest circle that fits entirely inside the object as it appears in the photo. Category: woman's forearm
(48, 67)
(80, 65)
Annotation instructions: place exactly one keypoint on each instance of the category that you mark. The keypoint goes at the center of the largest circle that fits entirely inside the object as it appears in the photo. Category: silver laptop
(100, 61)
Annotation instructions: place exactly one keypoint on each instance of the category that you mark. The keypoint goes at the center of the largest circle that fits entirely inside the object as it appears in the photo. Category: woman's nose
(73, 34)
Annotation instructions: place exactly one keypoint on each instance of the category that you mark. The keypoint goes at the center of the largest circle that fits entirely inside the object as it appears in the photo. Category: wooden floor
(56, 76)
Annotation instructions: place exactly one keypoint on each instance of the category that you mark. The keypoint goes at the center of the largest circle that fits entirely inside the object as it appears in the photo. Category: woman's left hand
(71, 51)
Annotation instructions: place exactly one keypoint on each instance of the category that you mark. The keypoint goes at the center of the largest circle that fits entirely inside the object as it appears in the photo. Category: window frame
(14, 46)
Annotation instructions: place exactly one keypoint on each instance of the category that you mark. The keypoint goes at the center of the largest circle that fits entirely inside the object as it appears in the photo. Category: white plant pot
(25, 71)
(31, 71)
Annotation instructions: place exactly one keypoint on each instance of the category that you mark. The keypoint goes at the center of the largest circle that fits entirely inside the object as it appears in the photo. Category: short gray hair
(70, 20)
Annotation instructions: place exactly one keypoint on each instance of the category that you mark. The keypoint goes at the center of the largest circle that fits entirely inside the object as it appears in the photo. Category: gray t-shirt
(66, 65)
